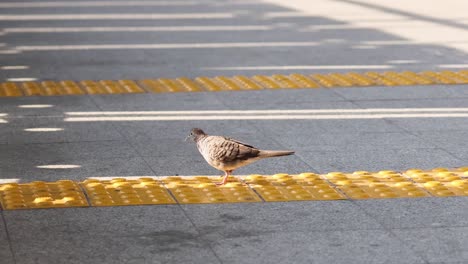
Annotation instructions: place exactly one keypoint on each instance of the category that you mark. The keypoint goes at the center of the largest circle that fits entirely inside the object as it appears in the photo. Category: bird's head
(195, 134)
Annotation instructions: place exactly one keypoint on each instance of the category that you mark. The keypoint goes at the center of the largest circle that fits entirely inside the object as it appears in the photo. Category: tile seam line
(429, 227)
(200, 235)
(262, 200)
(420, 136)
(7, 233)
(118, 128)
(120, 131)
(390, 231)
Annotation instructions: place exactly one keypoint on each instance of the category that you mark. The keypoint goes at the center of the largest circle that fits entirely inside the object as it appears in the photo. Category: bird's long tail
(275, 153)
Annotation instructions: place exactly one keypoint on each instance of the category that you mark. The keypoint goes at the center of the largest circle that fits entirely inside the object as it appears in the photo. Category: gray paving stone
(430, 124)
(307, 232)
(15, 131)
(46, 105)
(157, 139)
(357, 125)
(28, 171)
(414, 103)
(102, 158)
(155, 102)
(118, 221)
(158, 247)
(376, 159)
(437, 245)
(351, 140)
(289, 164)
(291, 98)
(179, 130)
(63, 152)
(288, 128)
(418, 212)
(187, 165)
(5, 252)
(350, 246)
(216, 219)
(134, 234)
(196, 165)
(450, 140)
(404, 92)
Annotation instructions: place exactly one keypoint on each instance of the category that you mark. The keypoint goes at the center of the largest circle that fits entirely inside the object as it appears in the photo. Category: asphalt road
(79, 40)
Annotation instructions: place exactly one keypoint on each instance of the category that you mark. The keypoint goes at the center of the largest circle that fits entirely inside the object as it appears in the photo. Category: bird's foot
(224, 181)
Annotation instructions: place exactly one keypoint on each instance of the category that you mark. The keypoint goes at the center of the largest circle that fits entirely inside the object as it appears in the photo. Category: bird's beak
(187, 138)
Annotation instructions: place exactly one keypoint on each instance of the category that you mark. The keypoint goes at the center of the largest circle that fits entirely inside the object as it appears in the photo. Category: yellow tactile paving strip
(64, 193)
(439, 182)
(284, 187)
(121, 191)
(235, 83)
(383, 184)
(202, 189)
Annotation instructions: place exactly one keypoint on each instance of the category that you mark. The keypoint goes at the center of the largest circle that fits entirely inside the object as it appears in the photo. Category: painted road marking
(103, 191)
(278, 114)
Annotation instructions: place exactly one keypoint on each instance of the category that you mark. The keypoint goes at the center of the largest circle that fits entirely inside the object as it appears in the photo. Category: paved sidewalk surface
(41, 140)
(430, 230)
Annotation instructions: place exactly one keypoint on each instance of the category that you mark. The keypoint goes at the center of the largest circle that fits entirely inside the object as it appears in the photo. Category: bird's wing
(227, 149)
(239, 142)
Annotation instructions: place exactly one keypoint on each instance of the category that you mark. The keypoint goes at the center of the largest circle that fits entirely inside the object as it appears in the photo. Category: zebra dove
(226, 154)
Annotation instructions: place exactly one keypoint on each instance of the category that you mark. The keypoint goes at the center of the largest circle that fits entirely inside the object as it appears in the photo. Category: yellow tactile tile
(441, 182)
(9, 89)
(71, 88)
(366, 185)
(399, 78)
(382, 79)
(458, 78)
(463, 171)
(304, 81)
(130, 86)
(120, 191)
(438, 174)
(418, 78)
(247, 83)
(51, 88)
(200, 189)
(64, 193)
(171, 85)
(209, 84)
(325, 80)
(285, 81)
(92, 87)
(112, 87)
(284, 187)
(189, 85)
(344, 79)
(266, 81)
(437, 77)
(227, 83)
(448, 188)
(360, 79)
(31, 89)
(152, 86)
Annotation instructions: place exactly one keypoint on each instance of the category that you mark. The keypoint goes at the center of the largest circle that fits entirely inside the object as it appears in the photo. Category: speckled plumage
(227, 154)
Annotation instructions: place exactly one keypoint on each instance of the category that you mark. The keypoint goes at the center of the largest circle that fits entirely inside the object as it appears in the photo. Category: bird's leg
(227, 173)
